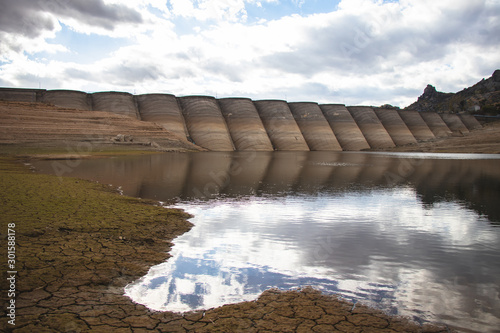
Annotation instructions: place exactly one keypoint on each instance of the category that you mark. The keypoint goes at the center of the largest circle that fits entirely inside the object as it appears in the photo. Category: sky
(353, 52)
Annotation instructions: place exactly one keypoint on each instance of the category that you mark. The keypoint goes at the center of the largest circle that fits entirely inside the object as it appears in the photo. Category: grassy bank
(73, 237)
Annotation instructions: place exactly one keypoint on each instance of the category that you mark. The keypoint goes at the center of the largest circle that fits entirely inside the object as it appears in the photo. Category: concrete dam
(241, 124)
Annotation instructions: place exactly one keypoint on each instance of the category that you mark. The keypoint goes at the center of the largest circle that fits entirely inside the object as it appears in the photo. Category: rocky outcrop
(481, 98)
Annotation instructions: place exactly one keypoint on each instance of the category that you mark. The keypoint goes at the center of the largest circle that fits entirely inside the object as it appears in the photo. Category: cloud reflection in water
(381, 247)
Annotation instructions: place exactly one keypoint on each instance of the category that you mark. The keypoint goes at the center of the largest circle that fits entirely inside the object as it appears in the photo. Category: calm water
(411, 234)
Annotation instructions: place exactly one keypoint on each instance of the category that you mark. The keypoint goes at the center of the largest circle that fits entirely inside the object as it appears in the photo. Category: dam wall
(280, 125)
(205, 123)
(417, 125)
(164, 110)
(314, 127)
(344, 127)
(470, 122)
(395, 126)
(21, 95)
(244, 123)
(241, 124)
(454, 123)
(116, 102)
(72, 99)
(436, 124)
(371, 127)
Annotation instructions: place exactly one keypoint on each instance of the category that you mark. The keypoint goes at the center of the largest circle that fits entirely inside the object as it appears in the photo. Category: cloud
(216, 10)
(363, 52)
(30, 18)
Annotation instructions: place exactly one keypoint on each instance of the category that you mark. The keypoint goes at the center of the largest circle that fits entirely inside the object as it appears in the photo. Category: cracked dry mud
(79, 243)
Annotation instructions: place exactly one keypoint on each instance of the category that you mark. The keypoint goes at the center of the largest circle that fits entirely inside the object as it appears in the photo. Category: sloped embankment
(43, 125)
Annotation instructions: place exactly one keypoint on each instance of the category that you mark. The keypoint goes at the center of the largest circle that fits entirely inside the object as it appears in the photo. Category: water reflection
(410, 234)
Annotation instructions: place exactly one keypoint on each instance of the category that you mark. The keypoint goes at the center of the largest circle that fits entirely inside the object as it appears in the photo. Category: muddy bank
(79, 243)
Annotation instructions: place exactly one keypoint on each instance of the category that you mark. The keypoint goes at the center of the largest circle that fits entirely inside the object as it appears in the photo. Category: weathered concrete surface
(470, 122)
(280, 125)
(436, 124)
(395, 126)
(116, 102)
(245, 125)
(371, 127)
(314, 127)
(164, 110)
(417, 125)
(20, 94)
(454, 123)
(71, 99)
(205, 123)
(344, 127)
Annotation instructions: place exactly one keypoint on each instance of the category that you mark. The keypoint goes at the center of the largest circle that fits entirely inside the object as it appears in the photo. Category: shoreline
(80, 243)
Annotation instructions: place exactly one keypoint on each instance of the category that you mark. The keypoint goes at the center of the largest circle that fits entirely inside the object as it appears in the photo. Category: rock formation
(481, 98)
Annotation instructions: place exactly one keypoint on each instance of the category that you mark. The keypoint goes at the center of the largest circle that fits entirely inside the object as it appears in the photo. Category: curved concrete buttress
(280, 125)
(164, 110)
(116, 102)
(371, 127)
(344, 127)
(245, 125)
(417, 125)
(454, 123)
(71, 99)
(395, 126)
(436, 124)
(205, 123)
(314, 127)
(470, 122)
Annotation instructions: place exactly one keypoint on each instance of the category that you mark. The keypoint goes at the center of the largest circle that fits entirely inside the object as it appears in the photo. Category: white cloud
(365, 52)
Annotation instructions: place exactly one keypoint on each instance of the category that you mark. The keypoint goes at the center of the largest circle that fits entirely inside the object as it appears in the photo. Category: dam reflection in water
(411, 234)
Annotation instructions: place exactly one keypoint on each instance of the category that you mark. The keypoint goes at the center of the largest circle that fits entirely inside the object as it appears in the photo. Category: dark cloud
(28, 17)
(129, 73)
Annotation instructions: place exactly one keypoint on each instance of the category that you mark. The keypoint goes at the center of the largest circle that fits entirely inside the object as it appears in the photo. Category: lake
(412, 234)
